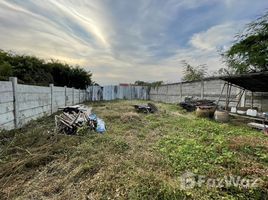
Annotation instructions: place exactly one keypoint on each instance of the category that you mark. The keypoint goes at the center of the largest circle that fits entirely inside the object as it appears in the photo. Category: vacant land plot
(139, 157)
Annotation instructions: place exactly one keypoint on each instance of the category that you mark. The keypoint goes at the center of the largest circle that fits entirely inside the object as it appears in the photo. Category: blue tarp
(100, 123)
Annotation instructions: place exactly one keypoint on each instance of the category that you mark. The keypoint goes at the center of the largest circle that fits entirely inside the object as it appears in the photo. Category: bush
(35, 71)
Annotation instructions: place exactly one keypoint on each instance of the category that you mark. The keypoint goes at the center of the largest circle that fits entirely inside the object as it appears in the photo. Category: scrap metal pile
(149, 108)
(74, 117)
(190, 104)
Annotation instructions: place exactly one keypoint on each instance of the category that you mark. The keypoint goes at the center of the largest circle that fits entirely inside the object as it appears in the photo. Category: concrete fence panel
(20, 103)
(59, 98)
(32, 102)
(6, 105)
(207, 89)
(69, 96)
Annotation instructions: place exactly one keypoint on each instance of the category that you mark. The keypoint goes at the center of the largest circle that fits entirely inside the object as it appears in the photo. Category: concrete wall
(21, 103)
(207, 89)
(112, 92)
(6, 105)
(32, 102)
(175, 93)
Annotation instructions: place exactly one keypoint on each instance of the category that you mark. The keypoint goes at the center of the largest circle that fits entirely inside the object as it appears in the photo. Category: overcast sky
(126, 40)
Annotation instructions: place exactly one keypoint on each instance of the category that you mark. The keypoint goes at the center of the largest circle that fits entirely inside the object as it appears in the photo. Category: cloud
(124, 41)
(216, 37)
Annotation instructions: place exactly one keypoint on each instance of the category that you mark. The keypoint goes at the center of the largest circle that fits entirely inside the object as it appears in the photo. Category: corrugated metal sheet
(112, 92)
(94, 93)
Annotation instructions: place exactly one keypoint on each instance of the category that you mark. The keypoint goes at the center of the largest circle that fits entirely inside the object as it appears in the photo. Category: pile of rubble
(74, 117)
(149, 108)
(190, 104)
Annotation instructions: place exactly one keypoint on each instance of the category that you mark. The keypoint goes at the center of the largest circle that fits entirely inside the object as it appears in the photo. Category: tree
(250, 51)
(80, 77)
(33, 70)
(154, 84)
(5, 71)
(192, 73)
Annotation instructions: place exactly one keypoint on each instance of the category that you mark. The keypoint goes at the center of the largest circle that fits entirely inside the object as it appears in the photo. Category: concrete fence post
(243, 99)
(73, 95)
(181, 90)
(202, 89)
(130, 89)
(84, 95)
(65, 95)
(88, 92)
(79, 96)
(14, 81)
(52, 97)
(167, 91)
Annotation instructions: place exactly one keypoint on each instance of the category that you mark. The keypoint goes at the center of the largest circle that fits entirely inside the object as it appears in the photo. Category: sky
(121, 41)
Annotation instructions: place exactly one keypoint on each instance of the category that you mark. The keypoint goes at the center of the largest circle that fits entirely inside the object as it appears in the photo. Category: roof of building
(255, 82)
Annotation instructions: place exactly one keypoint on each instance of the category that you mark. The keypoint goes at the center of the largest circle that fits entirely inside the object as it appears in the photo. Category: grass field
(139, 157)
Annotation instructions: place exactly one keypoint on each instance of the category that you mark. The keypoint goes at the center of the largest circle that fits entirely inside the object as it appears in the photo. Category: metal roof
(255, 82)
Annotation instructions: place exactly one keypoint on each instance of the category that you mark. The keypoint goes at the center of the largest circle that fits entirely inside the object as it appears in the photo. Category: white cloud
(122, 41)
(217, 36)
(205, 47)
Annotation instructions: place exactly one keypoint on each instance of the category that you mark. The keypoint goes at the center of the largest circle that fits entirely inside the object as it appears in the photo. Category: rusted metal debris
(190, 104)
(149, 108)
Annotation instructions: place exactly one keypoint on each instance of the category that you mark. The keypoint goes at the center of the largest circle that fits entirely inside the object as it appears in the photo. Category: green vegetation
(32, 70)
(139, 157)
(193, 73)
(154, 84)
(249, 53)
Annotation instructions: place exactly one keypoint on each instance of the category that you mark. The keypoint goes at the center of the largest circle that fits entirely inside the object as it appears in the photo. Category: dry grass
(130, 117)
(139, 157)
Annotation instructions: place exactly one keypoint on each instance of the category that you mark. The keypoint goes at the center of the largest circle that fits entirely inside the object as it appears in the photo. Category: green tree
(33, 70)
(30, 70)
(193, 73)
(154, 84)
(80, 77)
(5, 70)
(250, 51)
